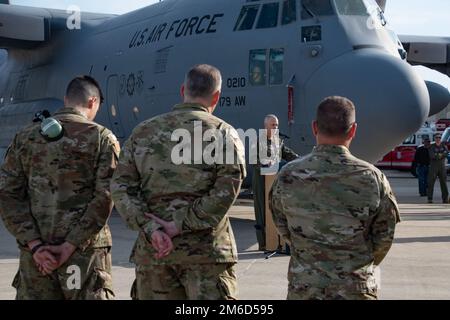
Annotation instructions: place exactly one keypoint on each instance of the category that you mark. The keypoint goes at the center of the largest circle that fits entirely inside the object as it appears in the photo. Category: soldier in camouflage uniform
(55, 200)
(337, 212)
(186, 247)
(438, 155)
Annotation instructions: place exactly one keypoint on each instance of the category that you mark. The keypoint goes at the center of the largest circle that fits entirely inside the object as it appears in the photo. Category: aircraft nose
(391, 100)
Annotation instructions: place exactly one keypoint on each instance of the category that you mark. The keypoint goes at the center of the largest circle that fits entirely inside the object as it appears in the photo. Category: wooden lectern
(273, 240)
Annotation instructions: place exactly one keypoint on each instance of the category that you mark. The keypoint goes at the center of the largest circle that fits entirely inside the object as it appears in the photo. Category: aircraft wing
(28, 27)
(432, 52)
(23, 27)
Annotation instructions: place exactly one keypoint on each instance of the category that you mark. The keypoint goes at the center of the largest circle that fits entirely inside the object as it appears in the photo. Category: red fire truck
(403, 155)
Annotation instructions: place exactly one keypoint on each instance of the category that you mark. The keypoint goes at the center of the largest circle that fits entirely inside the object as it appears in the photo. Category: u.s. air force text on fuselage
(178, 28)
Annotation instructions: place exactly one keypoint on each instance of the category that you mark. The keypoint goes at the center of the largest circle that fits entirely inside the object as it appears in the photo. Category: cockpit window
(257, 67)
(276, 66)
(312, 33)
(247, 18)
(352, 7)
(289, 12)
(313, 8)
(269, 16)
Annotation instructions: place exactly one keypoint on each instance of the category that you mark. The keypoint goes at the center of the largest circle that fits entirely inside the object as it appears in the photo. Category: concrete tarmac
(416, 267)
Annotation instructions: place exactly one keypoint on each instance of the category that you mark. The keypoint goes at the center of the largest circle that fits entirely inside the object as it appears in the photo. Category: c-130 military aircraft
(276, 56)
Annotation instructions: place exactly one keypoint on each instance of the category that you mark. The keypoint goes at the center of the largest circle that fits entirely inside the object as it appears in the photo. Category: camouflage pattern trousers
(85, 276)
(185, 282)
(331, 292)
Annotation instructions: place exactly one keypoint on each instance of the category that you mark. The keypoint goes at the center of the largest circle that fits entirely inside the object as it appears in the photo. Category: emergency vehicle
(442, 124)
(403, 155)
(446, 137)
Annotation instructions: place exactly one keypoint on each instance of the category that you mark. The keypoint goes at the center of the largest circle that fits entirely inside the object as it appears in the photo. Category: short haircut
(335, 116)
(202, 81)
(81, 88)
(269, 117)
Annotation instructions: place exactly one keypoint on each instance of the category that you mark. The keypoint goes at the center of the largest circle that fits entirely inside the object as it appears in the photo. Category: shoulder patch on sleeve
(114, 142)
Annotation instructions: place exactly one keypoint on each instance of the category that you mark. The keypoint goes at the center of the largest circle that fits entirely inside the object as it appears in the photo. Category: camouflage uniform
(438, 155)
(339, 215)
(196, 196)
(259, 191)
(56, 192)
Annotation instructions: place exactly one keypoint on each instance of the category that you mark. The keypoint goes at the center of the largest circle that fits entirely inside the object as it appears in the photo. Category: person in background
(438, 155)
(422, 165)
(258, 184)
